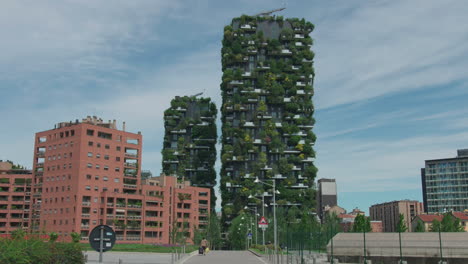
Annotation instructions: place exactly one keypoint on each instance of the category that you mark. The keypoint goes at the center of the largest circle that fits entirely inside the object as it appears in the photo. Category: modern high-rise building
(327, 196)
(189, 149)
(445, 184)
(15, 197)
(267, 111)
(88, 173)
(389, 213)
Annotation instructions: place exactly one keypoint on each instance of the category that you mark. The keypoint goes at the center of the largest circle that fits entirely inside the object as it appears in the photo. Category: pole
(274, 219)
(364, 232)
(399, 237)
(101, 244)
(256, 227)
(263, 214)
(331, 229)
(440, 245)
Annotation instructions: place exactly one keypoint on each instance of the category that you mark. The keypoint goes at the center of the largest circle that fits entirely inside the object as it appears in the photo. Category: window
(117, 148)
(104, 178)
(106, 146)
(88, 187)
(106, 167)
(106, 157)
(96, 177)
(90, 165)
(104, 135)
(90, 154)
(116, 180)
(98, 156)
(90, 132)
(117, 169)
(98, 145)
(117, 158)
(96, 188)
(98, 166)
(90, 143)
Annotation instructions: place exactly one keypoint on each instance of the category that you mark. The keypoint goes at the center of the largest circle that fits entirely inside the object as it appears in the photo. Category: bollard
(120, 261)
(86, 258)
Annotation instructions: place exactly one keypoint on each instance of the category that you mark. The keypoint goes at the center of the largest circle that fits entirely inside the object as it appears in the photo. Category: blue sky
(390, 91)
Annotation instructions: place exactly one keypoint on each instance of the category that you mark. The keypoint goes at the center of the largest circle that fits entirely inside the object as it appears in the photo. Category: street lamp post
(275, 232)
(263, 214)
(256, 221)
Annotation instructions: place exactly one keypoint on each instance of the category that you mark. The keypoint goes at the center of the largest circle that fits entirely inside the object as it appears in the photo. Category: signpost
(102, 238)
(263, 223)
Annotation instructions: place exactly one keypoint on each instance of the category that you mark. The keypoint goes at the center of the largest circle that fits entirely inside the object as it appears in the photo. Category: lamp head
(250, 196)
(246, 207)
(256, 180)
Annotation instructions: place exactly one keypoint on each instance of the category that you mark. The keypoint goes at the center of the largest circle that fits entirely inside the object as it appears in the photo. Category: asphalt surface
(129, 258)
(225, 257)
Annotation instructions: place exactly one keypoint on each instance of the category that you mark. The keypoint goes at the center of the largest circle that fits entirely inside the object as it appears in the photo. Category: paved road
(129, 257)
(225, 257)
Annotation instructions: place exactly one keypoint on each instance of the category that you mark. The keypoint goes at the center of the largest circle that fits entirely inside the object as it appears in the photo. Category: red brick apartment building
(88, 173)
(15, 198)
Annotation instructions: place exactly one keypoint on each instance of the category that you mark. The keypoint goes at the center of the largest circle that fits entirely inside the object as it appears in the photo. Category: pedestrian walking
(203, 245)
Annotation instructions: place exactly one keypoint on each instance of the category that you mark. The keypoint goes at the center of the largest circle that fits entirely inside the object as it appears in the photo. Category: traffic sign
(104, 233)
(263, 223)
(249, 235)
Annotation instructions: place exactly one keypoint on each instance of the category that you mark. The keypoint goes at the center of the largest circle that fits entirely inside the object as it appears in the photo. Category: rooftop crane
(270, 12)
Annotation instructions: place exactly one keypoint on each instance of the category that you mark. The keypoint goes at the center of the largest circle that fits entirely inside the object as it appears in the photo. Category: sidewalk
(225, 257)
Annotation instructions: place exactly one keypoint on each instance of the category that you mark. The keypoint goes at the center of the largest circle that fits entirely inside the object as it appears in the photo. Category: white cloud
(383, 165)
(389, 47)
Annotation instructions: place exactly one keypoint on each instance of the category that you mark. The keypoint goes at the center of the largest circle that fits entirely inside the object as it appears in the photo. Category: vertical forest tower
(267, 112)
(189, 141)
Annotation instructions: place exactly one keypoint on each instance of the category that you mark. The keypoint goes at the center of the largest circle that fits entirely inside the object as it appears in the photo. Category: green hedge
(34, 250)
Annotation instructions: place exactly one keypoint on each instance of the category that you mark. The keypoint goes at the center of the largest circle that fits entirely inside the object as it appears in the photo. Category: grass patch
(144, 248)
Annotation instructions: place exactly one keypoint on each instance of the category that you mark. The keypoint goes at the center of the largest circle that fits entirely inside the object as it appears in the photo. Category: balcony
(133, 216)
(286, 52)
(86, 203)
(132, 175)
(130, 186)
(131, 155)
(85, 215)
(299, 36)
(130, 165)
(40, 154)
(40, 164)
(133, 238)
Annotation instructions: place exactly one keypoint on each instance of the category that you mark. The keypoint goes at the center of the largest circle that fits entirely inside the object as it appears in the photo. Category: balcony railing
(131, 186)
(85, 215)
(130, 165)
(86, 203)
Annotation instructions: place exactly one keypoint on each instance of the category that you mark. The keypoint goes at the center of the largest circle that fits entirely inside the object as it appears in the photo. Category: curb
(255, 253)
(181, 261)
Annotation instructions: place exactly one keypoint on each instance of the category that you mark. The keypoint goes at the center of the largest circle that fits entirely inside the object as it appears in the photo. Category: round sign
(108, 238)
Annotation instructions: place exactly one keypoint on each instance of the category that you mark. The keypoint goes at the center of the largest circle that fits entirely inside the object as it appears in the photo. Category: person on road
(204, 245)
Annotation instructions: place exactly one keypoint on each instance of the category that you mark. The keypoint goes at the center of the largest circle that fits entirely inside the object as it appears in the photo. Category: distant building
(15, 198)
(347, 222)
(334, 210)
(427, 219)
(389, 213)
(326, 196)
(356, 211)
(444, 183)
(189, 141)
(89, 173)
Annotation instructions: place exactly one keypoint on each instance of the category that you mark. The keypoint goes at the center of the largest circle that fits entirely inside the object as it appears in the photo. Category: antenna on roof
(270, 12)
(195, 95)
